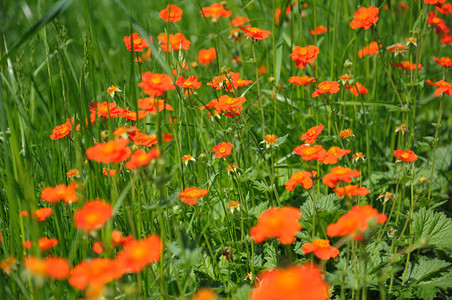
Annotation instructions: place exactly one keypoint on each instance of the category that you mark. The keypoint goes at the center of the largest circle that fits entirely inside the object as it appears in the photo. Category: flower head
(339, 174)
(173, 42)
(60, 192)
(104, 109)
(141, 158)
(239, 21)
(40, 214)
(365, 17)
(112, 151)
(443, 87)
(188, 157)
(326, 87)
(301, 80)
(190, 83)
(351, 190)
(358, 89)
(112, 90)
(136, 41)
(152, 105)
(346, 133)
(132, 115)
(191, 195)
(43, 243)
(407, 66)
(303, 178)
(319, 30)
(333, 154)
(172, 13)
(406, 156)
(156, 84)
(93, 215)
(206, 56)
(138, 254)
(95, 273)
(63, 130)
(370, 49)
(52, 267)
(270, 140)
(357, 156)
(304, 55)
(444, 61)
(222, 149)
(255, 33)
(310, 153)
(215, 11)
(321, 248)
(310, 136)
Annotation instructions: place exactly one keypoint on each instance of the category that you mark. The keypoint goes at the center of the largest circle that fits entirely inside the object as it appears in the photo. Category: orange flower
(176, 41)
(109, 172)
(190, 83)
(321, 248)
(326, 87)
(95, 273)
(319, 30)
(293, 283)
(444, 61)
(333, 154)
(355, 222)
(93, 215)
(406, 156)
(171, 13)
(397, 49)
(138, 254)
(370, 49)
(222, 149)
(62, 130)
(346, 133)
(303, 178)
(357, 89)
(310, 136)
(357, 156)
(282, 223)
(112, 90)
(215, 11)
(270, 140)
(339, 174)
(188, 157)
(443, 87)
(351, 190)
(205, 294)
(407, 65)
(60, 192)
(434, 1)
(446, 39)
(191, 195)
(206, 56)
(228, 104)
(53, 267)
(232, 168)
(151, 105)
(43, 243)
(239, 21)
(301, 80)
(135, 41)
(365, 17)
(118, 240)
(255, 33)
(104, 109)
(112, 151)
(445, 8)
(7, 263)
(132, 115)
(156, 84)
(140, 158)
(40, 214)
(310, 153)
(305, 55)
(72, 173)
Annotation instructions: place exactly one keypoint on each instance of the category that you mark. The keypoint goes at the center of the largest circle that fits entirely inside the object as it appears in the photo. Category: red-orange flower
(255, 33)
(112, 151)
(222, 149)
(304, 178)
(351, 190)
(239, 21)
(301, 80)
(176, 41)
(7, 263)
(72, 173)
(63, 130)
(443, 87)
(406, 156)
(230, 105)
(434, 1)
(93, 215)
(138, 254)
(104, 109)
(339, 174)
(326, 87)
(190, 83)
(310, 136)
(95, 273)
(191, 195)
(54, 267)
(60, 192)
(445, 8)
(444, 61)
(282, 223)
(215, 11)
(141, 158)
(355, 221)
(305, 55)
(446, 39)
(293, 283)
(346, 133)
(40, 214)
(319, 30)
(108, 172)
(407, 65)
(172, 13)
(310, 153)
(321, 248)
(135, 41)
(132, 115)
(365, 17)
(205, 294)
(206, 56)
(156, 84)
(152, 105)
(370, 49)
(43, 243)
(333, 154)
(357, 89)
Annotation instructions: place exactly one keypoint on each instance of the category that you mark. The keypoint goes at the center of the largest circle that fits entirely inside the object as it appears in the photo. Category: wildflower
(326, 87)
(357, 156)
(112, 151)
(355, 221)
(206, 56)
(109, 172)
(423, 179)
(53, 267)
(7, 263)
(310, 153)
(406, 156)
(43, 243)
(95, 273)
(118, 240)
(339, 174)
(138, 254)
(141, 158)
(262, 70)
(385, 197)
(292, 283)
(176, 41)
(434, 20)
(187, 157)
(215, 11)
(234, 205)
(112, 90)
(365, 17)
(249, 276)
(345, 78)
(301, 80)
(72, 173)
(397, 49)
(445, 8)
(156, 84)
(132, 115)
(411, 40)
(304, 178)
(357, 89)
(222, 149)
(40, 214)
(205, 294)
(444, 61)
(62, 130)
(172, 13)
(407, 65)
(351, 190)
(93, 215)
(282, 223)
(319, 30)
(60, 192)
(104, 109)
(346, 133)
(270, 140)
(446, 39)
(190, 83)
(152, 105)
(310, 136)
(239, 21)
(333, 154)
(191, 195)
(255, 33)
(443, 87)
(232, 168)
(135, 41)
(321, 248)
(305, 55)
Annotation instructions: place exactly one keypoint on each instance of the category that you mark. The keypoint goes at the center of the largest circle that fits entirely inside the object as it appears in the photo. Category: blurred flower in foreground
(93, 215)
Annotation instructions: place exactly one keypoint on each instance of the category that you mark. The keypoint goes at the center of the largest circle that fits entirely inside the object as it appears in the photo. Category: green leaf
(327, 211)
(428, 289)
(423, 268)
(242, 292)
(434, 226)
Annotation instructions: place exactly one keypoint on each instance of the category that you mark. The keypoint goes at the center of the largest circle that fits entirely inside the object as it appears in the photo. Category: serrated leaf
(271, 261)
(242, 292)
(434, 226)
(327, 211)
(424, 267)
(428, 289)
